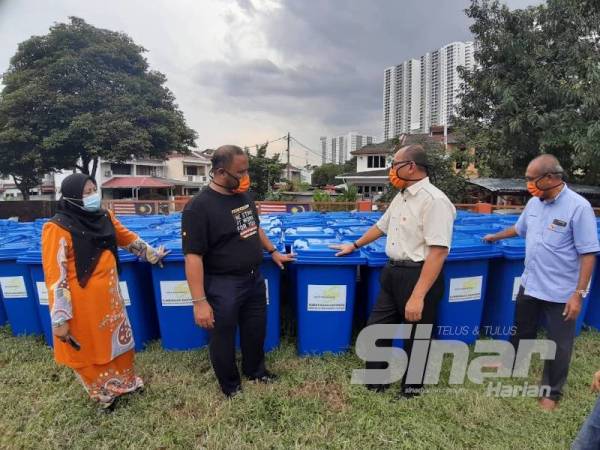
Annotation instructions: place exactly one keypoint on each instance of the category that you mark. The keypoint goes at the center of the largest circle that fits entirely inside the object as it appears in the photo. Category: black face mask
(229, 188)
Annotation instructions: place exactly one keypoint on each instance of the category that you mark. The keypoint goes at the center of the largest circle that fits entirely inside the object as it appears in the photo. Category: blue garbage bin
(306, 232)
(135, 283)
(376, 258)
(465, 276)
(592, 316)
(3, 318)
(345, 223)
(502, 289)
(272, 275)
(174, 307)
(17, 291)
(352, 233)
(32, 260)
(325, 294)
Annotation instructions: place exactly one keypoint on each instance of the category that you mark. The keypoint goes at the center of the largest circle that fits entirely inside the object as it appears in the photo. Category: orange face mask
(534, 190)
(396, 181)
(244, 185)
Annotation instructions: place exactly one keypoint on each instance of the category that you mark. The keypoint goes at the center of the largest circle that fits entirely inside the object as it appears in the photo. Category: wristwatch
(582, 293)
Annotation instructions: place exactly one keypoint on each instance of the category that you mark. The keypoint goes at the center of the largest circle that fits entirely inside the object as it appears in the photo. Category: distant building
(421, 93)
(338, 150)
(295, 174)
(147, 179)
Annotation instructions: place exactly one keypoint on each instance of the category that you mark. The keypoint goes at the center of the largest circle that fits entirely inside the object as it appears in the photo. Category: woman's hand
(62, 331)
(155, 256)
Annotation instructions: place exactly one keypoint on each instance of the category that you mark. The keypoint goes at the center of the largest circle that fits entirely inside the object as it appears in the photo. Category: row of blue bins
(325, 291)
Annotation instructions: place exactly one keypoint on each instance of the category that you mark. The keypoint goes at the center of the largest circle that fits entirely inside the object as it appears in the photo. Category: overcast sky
(245, 71)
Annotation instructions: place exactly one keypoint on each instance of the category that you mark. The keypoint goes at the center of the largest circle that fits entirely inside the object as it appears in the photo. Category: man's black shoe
(266, 378)
(377, 387)
(406, 393)
(231, 394)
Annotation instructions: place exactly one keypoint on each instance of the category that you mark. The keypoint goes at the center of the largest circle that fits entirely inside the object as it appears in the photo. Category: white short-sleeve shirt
(418, 218)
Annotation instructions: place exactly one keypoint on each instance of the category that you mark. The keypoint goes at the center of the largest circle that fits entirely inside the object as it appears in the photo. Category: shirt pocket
(556, 236)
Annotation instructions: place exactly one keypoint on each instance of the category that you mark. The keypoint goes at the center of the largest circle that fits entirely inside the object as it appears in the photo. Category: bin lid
(375, 253)
(473, 248)
(274, 235)
(479, 220)
(31, 256)
(513, 248)
(291, 234)
(317, 251)
(345, 223)
(176, 249)
(482, 228)
(352, 233)
(13, 250)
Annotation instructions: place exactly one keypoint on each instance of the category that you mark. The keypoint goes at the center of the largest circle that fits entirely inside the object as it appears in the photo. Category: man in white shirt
(418, 224)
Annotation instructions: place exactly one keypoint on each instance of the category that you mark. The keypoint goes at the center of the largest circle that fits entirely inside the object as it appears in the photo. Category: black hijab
(92, 231)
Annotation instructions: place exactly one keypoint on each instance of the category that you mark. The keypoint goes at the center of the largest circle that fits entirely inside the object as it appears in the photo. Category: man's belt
(405, 263)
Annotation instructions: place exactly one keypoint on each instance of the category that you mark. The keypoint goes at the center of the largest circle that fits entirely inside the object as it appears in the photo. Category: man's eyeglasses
(538, 178)
(401, 163)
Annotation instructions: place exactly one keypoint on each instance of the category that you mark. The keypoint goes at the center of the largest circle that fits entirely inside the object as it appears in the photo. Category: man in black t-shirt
(223, 246)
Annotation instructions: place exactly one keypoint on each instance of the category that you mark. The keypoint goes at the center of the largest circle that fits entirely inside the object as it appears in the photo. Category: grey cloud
(338, 50)
(336, 94)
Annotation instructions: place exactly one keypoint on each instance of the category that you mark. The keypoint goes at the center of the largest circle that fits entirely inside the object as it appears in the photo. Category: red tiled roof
(136, 182)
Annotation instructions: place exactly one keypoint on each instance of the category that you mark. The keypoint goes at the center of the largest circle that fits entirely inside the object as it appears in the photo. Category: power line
(314, 152)
(256, 146)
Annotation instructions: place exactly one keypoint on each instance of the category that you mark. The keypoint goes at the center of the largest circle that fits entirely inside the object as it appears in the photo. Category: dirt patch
(332, 394)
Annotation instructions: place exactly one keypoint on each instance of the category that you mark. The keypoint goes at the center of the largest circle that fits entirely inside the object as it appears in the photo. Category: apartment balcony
(196, 178)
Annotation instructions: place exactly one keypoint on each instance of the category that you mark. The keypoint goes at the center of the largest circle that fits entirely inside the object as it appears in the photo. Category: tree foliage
(264, 172)
(326, 173)
(80, 93)
(537, 88)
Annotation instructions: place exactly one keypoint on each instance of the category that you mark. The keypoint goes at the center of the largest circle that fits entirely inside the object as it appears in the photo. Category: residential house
(190, 172)
(373, 160)
(295, 174)
(371, 176)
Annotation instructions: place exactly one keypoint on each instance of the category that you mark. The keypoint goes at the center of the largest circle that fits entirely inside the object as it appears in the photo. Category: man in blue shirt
(561, 242)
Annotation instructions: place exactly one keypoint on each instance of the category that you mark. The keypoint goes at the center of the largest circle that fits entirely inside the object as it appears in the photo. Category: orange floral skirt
(104, 383)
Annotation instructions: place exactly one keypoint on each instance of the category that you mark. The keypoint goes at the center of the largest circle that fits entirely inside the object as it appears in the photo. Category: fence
(27, 210)
(145, 207)
(35, 209)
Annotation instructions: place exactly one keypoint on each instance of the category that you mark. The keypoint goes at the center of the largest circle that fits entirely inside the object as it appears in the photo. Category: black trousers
(528, 313)
(237, 301)
(397, 284)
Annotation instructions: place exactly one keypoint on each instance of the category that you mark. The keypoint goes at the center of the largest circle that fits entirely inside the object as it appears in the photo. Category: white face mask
(92, 202)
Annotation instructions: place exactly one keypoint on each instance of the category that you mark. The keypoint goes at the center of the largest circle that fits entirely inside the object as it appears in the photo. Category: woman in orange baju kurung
(92, 333)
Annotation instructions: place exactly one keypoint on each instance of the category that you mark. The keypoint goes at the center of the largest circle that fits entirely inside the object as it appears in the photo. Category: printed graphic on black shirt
(245, 221)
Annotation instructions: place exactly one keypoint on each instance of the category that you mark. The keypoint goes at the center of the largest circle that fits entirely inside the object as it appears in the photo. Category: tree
(537, 88)
(19, 158)
(264, 172)
(82, 93)
(326, 174)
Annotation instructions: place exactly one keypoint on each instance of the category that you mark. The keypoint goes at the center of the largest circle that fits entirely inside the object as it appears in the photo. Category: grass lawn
(312, 406)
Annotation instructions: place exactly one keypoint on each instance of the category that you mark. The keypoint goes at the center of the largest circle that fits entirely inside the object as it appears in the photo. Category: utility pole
(288, 157)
